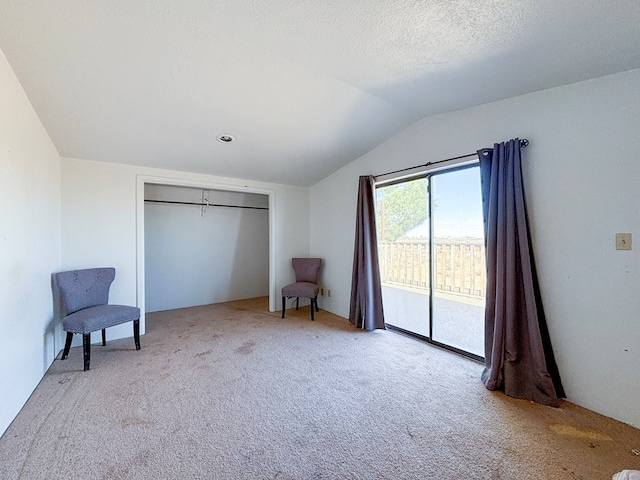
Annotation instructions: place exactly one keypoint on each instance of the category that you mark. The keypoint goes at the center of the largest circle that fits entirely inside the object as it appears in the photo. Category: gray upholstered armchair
(85, 297)
(306, 285)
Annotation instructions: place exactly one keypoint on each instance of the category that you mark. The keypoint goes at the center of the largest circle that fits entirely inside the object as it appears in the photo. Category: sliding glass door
(431, 245)
(404, 249)
(458, 261)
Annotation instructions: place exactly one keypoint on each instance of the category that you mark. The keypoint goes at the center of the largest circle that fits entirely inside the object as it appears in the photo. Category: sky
(458, 212)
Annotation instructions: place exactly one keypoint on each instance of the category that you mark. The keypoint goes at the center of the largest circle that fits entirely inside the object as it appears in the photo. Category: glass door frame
(428, 175)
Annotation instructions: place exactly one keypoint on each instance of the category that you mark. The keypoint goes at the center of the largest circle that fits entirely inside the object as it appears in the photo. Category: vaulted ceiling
(305, 86)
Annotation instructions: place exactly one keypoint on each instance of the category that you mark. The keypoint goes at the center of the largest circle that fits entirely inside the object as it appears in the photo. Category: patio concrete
(458, 320)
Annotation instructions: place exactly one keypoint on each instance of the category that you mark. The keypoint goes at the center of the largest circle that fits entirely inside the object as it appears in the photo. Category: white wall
(582, 180)
(99, 223)
(29, 246)
(195, 259)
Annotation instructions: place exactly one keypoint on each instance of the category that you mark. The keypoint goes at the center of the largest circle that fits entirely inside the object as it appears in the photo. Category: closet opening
(202, 244)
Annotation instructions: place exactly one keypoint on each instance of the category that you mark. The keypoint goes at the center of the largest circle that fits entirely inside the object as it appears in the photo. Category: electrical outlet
(322, 291)
(623, 241)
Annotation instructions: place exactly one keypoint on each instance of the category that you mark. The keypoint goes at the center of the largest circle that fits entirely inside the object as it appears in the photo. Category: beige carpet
(230, 391)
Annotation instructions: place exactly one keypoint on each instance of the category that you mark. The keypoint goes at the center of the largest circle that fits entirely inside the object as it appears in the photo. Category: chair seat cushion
(99, 317)
(301, 289)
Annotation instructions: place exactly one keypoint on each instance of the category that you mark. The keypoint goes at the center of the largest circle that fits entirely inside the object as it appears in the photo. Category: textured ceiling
(305, 86)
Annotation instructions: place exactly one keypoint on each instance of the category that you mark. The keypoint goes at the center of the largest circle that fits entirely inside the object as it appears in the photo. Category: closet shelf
(174, 202)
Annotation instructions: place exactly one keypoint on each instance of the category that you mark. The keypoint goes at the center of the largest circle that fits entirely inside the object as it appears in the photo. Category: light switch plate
(623, 241)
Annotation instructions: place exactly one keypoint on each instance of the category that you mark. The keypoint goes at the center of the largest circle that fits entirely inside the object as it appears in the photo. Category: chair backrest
(84, 288)
(306, 269)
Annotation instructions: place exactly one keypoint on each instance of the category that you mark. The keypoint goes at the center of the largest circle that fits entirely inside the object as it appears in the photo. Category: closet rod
(524, 143)
(206, 204)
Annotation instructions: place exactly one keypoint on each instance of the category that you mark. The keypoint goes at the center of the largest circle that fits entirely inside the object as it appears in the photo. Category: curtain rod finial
(524, 143)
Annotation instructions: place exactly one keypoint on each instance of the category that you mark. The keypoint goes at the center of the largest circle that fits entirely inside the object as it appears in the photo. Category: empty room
(357, 240)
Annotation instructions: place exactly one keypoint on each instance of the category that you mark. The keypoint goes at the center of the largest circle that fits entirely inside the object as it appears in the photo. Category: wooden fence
(459, 265)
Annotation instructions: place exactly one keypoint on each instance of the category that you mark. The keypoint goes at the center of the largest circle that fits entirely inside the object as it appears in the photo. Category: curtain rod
(174, 202)
(524, 143)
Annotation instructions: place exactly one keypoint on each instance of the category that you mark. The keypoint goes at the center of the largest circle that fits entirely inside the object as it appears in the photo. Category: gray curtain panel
(518, 355)
(365, 310)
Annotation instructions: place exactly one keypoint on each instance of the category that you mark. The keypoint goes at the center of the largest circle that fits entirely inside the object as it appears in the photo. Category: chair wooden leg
(86, 349)
(297, 302)
(283, 306)
(316, 302)
(67, 346)
(136, 333)
(311, 308)
(104, 337)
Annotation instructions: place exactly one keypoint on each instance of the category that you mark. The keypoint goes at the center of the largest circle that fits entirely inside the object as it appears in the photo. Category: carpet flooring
(231, 391)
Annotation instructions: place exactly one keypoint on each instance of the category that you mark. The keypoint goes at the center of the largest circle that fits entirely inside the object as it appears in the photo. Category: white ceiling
(305, 86)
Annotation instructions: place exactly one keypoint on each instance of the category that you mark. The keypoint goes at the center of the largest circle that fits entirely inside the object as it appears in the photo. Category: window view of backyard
(455, 276)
